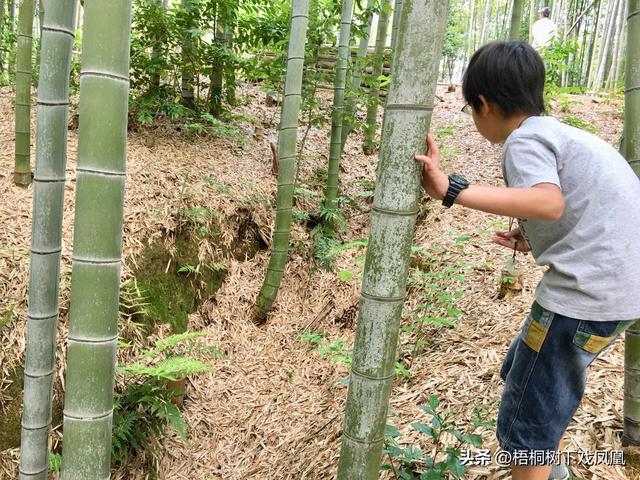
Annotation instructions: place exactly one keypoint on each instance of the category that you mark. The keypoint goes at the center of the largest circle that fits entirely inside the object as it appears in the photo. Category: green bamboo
(287, 142)
(356, 76)
(395, 206)
(217, 71)
(371, 123)
(632, 91)
(397, 10)
(12, 15)
(230, 81)
(97, 246)
(22, 174)
(41, 13)
(156, 53)
(631, 150)
(46, 240)
(516, 20)
(188, 98)
(2, 12)
(331, 192)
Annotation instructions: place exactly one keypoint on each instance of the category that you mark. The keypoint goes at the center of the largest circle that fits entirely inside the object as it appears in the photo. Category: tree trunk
(397, 10)
(620, 5)
(217, 72)
(22, 175)
(618, 48)
(505, 24)
(620, 56)
(516, 20)
(469, 45)
(97, 245)
(40, 7)
(606, 42)
(592, 43)
(287, 143)
(356, 76)
(371, 126)
(631, 143)
(46, 240)
(12, 15)
(486, 22)
(229, 67)
(2, 10)
(331, 192)
(78, 23)
(397, 197)
(631, 150)
(156, 54)
(188, 99)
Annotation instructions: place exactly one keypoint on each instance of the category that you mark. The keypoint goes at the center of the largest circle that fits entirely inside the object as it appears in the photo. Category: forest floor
(273, 407)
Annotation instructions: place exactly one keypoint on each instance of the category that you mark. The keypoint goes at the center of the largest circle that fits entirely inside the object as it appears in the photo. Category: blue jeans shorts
(544, 373)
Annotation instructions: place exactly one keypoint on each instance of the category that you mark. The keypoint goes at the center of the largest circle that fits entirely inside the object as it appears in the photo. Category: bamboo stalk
(22, 172)
(217, 69)
(397, 10)
(188, 98)
(397, 198)
(356, 76)
(516, 20)
(2, 12)
(371, 123)
(12, 15)
(607, 38)
(156, 53)
(631, 151)
(92, 342)
(46, 241)
(287, 142)
(335, 151)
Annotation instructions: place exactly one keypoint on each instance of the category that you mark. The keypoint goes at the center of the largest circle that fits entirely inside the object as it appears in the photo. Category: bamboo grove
(186, 61)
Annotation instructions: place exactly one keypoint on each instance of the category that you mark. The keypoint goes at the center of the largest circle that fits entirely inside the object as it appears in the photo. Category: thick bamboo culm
(97, 246)
(46, 240)
(22, 172)
(631, 150)
(394, 211)
(287, 143)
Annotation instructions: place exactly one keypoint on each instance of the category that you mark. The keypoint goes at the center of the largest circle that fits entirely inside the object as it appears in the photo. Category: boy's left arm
(543, 201)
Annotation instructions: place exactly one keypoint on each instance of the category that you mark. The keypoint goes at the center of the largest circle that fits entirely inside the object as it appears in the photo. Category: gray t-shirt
(593, 250)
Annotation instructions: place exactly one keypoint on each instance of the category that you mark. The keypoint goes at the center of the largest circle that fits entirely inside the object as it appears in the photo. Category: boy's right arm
(543, 201)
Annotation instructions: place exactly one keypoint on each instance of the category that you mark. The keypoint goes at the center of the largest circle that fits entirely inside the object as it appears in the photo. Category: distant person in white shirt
(544, 30)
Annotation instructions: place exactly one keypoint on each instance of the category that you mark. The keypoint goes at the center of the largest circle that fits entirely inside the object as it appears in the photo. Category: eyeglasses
(467, 109)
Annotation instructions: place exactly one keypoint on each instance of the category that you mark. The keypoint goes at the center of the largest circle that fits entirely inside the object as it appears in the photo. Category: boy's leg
(522, 472)
(544, 373)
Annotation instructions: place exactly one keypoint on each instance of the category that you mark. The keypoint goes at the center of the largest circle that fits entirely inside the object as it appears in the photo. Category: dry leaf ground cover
(272, 409)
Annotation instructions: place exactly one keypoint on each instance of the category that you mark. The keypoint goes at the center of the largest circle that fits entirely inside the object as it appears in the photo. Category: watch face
(459, 179)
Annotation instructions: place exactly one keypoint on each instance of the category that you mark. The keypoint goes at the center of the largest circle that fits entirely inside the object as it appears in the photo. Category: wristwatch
(456, 185)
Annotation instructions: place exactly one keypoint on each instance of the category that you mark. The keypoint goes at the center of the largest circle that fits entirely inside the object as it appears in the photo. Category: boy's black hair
(509, 74)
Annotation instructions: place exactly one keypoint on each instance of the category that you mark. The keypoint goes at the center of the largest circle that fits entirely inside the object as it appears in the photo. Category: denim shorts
(544, 373)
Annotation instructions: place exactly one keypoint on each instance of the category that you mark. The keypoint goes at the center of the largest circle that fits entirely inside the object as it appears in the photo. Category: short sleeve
(528, 162)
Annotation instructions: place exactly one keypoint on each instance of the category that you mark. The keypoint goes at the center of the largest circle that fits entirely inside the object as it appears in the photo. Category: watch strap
(456, 185)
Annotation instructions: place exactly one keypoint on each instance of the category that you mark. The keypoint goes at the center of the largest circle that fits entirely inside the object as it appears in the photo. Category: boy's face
(488, 121)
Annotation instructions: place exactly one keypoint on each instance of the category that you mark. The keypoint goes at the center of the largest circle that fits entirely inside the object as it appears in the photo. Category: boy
(576, 201)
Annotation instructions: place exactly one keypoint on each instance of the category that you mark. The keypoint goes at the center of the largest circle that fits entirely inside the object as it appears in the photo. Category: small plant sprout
(446, 442)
